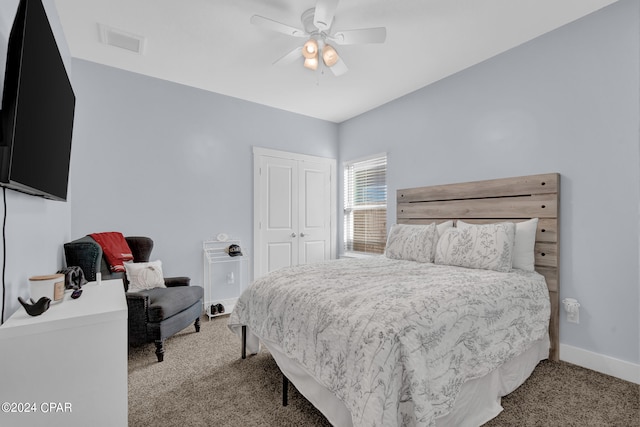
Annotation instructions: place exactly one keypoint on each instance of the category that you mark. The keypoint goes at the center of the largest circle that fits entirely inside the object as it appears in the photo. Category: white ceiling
(210, 44)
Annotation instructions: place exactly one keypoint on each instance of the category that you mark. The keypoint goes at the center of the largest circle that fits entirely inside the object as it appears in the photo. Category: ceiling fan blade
(363, 36)
(272, 25)
(290, 57)
(339, 68)
(323, 16)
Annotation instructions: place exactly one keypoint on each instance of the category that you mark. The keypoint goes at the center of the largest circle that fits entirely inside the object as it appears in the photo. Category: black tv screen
(38, 107)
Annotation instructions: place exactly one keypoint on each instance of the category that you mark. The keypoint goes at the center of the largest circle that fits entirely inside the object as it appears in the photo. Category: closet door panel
(279, 213)
(314, 211)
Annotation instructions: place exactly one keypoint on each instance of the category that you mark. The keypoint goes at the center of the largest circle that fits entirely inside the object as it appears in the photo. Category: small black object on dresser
(36, 308)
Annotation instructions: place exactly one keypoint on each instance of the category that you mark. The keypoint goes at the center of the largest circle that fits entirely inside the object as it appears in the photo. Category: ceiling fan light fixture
(311, 63)
(310, 49)
(329, 55)
(317, 30)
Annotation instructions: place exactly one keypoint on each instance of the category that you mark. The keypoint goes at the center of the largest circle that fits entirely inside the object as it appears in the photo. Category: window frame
(350, 207)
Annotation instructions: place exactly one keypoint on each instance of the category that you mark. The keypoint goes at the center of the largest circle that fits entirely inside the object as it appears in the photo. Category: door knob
(302, 234)
(293, 234)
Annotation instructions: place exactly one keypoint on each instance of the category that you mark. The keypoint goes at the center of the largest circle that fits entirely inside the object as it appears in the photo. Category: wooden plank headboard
(506, 199)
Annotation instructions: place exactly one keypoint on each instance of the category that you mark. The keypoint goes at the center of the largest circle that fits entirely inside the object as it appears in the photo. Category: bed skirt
(477, 403)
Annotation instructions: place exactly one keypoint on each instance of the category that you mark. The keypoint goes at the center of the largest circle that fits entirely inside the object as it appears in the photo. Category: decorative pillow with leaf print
(486, 246)
(523, 246)
(412, 242)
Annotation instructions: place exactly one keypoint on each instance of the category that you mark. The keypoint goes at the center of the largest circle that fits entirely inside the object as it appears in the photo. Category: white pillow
(144, 275)
(442, 227)
(524, 244)
(411, 242)
(524, 256)
(486, 246)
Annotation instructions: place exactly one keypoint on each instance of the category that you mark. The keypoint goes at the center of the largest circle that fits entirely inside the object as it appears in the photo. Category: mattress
(394, 341)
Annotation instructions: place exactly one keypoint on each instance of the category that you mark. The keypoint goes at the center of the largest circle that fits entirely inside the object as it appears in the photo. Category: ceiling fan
(317, 30)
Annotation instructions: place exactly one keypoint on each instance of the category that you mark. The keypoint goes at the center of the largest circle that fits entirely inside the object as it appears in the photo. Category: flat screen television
(38, 106)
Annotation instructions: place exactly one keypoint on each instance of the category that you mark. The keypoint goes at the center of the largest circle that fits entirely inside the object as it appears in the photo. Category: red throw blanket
(115, 249)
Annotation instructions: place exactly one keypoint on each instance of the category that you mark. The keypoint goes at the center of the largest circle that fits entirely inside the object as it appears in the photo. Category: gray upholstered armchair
(154, 314)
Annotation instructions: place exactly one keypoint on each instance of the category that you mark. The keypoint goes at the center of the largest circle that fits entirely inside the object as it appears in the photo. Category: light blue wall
(566, 102)
(174, 163)
(160, 159)
(35, 228)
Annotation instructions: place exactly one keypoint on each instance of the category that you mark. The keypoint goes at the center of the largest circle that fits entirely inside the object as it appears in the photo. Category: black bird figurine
(36, 308)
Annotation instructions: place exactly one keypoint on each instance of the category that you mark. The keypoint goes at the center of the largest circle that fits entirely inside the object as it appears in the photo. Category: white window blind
(365, 205)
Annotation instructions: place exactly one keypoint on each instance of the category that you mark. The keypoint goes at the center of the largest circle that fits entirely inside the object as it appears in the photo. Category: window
(365, 205)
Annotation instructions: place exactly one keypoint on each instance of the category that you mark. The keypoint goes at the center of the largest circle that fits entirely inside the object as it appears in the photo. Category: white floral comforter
(395, 340)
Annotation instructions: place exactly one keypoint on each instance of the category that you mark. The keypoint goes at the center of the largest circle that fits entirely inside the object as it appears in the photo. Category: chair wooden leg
(160, 350)
(197, 324)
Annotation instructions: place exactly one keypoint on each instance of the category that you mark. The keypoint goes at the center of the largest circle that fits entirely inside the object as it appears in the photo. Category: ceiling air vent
(122, 39)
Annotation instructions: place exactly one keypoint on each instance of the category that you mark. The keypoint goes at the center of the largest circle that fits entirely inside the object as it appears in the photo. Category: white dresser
(68, 366)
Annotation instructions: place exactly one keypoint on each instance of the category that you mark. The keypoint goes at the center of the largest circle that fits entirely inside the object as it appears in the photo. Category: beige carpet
(203, 382)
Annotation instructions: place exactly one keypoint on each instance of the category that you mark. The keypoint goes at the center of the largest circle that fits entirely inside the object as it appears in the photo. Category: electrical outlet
(572, 308)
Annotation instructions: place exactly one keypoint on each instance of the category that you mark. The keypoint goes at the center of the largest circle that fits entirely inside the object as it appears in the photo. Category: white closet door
(314, 212)
(294, 209)
(279, 213)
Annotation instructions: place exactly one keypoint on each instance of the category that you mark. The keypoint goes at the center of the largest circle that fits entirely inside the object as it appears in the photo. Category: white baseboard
(598, 362)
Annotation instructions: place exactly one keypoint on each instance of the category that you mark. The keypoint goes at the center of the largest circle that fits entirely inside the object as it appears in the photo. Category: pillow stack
(499, 246)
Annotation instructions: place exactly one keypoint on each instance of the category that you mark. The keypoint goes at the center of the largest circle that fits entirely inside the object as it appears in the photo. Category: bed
(417, 337)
